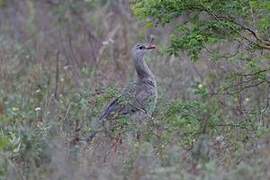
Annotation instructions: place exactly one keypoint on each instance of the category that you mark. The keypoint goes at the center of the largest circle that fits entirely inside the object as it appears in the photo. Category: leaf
(3, 142)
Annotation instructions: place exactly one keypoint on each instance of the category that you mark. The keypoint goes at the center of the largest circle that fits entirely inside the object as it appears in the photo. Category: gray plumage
(139, 96)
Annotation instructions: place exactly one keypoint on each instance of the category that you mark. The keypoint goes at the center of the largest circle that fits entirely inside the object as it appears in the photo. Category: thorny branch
(255, 73)
(233, 54)
(265, 44)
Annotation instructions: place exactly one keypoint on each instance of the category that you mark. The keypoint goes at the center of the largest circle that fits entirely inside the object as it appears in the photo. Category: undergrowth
(35, 126)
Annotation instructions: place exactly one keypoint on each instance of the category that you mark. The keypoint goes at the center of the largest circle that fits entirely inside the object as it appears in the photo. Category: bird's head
(139, 49)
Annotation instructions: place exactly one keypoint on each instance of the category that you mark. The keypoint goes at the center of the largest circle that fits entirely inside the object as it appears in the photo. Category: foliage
(207, 22)
(202, 27)
(192, 118)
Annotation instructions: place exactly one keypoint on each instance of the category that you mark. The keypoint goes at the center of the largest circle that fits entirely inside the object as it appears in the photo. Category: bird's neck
(142, 70)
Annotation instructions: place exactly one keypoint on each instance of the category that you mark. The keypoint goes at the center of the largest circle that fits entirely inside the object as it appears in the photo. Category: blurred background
(62, 61)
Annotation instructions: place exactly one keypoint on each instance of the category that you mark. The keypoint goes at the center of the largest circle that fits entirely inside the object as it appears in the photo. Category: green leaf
(4, 141)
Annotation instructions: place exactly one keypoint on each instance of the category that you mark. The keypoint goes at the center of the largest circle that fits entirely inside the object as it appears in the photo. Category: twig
(57, 76)
(255, 73)
(260, 42)
(67, 112)
(231, 125)
(226, 56)
(247, 87)
(109, 37)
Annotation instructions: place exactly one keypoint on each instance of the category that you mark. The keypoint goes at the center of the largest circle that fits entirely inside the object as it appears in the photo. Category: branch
(108, 38)
(247, 87)
(226, 56)
(230, 125)
(255, 73)
(259, 41)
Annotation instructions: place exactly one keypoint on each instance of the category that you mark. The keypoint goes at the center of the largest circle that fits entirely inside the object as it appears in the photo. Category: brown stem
(57, 76)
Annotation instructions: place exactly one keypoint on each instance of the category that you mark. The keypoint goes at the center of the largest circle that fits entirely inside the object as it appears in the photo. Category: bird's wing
(122, 105)
(115, 109)
(146, 98)
(132, 100)
(112, 107)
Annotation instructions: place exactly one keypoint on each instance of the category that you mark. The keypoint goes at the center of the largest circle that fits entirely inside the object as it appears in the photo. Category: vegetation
(210, 22)
(61, 62)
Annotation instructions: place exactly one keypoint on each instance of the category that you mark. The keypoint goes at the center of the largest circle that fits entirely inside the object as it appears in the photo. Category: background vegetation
(62, 61)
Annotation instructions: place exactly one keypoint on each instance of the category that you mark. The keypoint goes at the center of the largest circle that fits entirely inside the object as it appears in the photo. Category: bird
(140, 96)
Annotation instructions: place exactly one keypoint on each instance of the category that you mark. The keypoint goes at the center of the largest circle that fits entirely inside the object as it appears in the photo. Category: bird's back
(137, 96)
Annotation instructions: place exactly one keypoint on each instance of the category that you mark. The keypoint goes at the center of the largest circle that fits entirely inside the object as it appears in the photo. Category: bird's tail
(98, 128)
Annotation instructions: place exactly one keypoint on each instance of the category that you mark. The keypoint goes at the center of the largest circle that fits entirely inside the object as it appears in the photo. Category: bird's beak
(151, 46)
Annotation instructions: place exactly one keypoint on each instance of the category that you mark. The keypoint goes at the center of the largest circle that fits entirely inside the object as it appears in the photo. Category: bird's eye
(141, 47)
